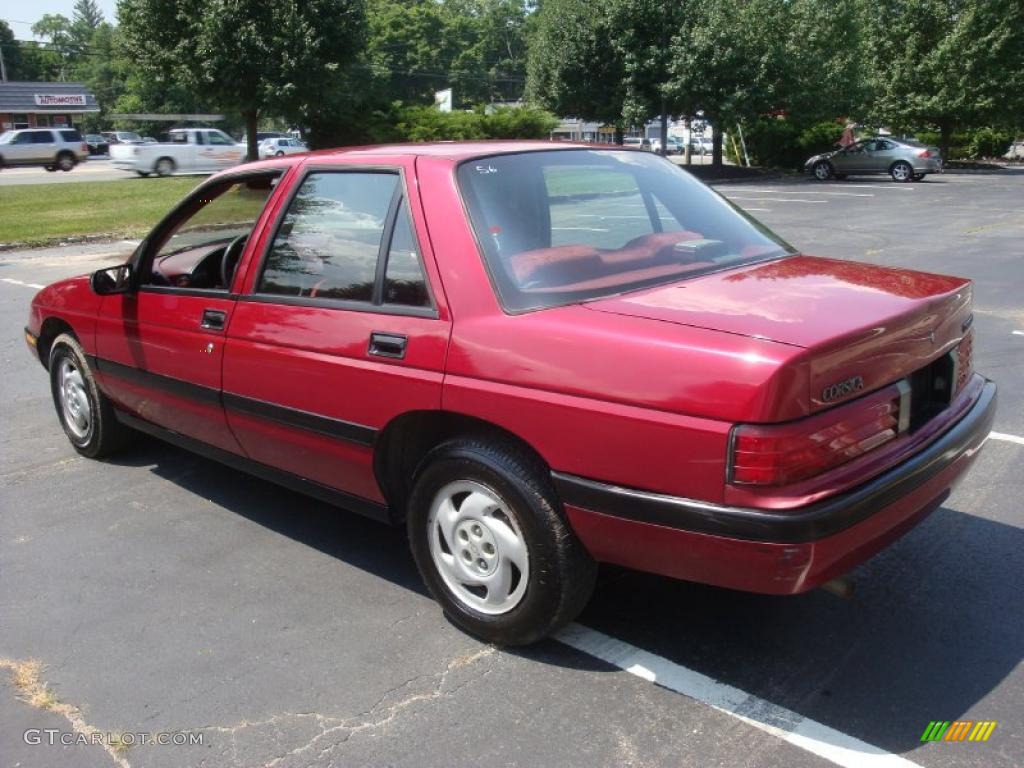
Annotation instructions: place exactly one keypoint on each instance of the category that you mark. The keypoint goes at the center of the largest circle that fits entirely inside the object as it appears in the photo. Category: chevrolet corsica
(537, 357)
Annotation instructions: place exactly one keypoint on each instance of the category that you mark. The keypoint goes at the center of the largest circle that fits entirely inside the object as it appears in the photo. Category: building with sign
(40, 105)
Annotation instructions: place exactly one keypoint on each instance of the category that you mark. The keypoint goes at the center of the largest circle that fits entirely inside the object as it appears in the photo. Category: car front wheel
(490, 540)
(85, 413)
(901, 171)
(822, 170)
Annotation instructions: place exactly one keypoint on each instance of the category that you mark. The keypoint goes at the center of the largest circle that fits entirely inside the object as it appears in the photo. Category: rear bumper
(773, 552)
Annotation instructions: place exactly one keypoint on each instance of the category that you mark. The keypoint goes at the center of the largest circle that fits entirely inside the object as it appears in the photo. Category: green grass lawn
(43, 213)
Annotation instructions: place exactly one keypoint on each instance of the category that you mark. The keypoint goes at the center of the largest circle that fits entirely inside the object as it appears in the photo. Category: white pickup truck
(188, 150)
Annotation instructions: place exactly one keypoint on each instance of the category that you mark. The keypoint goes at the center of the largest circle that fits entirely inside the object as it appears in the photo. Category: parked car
(97, 144)
(673, 146)
(1015, 152)
(902, 159)
(277, 147)
(636, 142)
(52, 148)
(122, 137)
(701, 146)
(187, 150)
(450, 337)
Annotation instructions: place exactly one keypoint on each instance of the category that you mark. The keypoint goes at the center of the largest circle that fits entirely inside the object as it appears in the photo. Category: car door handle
(388, 345)
(213, 319)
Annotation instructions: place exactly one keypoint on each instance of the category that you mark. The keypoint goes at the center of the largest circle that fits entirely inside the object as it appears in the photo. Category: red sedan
(537, 357)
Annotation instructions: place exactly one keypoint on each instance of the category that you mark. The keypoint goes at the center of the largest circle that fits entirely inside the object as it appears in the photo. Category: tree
(476, 47)
(946, 63)
(86, 16)
(729, 61)
(247, 55)
(573, 69)
(11, 51)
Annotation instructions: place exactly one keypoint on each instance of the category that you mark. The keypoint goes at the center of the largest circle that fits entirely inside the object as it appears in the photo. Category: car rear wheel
(85, 413)
(489, 538)
(164, 166)
(279, 153)
(823, 170)
(66, 161)
(901, 171)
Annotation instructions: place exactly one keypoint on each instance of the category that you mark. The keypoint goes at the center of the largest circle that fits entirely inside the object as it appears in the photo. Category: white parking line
(1017, 333)
(1006, 437)
(774, 199)
(19, 282)
(809, 192)
(800, 731)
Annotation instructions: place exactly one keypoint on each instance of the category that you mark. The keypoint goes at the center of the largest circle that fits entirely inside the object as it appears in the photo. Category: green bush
(989, 143)
(430, 124)
(780, 143)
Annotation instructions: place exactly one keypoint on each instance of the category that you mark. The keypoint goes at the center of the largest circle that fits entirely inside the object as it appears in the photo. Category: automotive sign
(60, 99)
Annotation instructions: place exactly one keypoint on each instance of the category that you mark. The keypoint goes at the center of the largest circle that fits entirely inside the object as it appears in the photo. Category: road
(93, 169)
(161, 592)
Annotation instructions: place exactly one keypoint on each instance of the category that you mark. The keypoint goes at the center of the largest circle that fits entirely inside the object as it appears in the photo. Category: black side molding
(808, 523)
(292, 417)
(324, 493)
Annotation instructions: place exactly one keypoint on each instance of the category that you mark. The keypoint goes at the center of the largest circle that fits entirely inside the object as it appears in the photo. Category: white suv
(52, 148)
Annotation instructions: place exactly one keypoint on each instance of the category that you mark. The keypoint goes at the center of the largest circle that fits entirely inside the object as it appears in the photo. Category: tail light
(964, 357)
(925, 153)
(780, 454)
(85, 147)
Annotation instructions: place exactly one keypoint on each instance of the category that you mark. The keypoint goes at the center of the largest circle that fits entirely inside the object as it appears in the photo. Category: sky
(21, 15)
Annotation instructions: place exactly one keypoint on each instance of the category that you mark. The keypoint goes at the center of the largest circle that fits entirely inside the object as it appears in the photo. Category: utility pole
(3, 67)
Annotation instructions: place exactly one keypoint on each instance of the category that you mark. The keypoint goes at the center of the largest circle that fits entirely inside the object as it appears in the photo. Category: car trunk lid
(863, 326)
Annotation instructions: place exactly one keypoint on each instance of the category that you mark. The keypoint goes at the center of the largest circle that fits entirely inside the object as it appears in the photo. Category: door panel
(303, 394)
(341, 329)
(157, 361)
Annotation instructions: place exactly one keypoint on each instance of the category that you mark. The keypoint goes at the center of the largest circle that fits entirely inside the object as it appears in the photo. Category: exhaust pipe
(840, 587)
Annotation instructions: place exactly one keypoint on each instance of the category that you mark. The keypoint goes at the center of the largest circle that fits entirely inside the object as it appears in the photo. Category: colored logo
(958, 730)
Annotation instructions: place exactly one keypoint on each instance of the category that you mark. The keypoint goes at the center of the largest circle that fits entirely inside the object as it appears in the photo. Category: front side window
(201, 247)
(221, 139)
(329, 241)
(564, 226)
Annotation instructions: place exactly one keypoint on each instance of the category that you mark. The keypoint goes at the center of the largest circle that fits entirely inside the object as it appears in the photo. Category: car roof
(455, 151)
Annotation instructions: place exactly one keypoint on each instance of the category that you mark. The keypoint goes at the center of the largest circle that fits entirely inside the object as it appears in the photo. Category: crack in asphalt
(26, 678)
(372, 718)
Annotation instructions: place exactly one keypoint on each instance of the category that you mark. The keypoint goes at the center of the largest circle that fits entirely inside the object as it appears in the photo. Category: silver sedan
(903, 159)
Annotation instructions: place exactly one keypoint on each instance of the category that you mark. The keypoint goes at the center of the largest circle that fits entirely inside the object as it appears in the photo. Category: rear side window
(404, 282)
(330, 239)
(42, 137)
(71, 136)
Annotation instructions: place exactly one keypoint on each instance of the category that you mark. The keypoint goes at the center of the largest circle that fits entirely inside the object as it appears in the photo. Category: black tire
(165, 166)
(105, 435)
(823, 170)
(901, 171)
(561, 573)
(279, 153)
(65, 161)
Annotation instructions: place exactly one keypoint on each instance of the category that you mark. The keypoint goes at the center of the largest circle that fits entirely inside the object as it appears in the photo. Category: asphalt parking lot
(163, 593)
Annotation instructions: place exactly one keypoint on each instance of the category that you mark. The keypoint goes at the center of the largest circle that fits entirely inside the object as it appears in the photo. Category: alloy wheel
(478, 548)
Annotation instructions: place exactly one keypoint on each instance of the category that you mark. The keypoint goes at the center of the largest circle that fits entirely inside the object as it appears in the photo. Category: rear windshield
(564, 226)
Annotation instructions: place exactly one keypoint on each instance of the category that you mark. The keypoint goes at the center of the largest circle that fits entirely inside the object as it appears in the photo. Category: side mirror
(105, 282)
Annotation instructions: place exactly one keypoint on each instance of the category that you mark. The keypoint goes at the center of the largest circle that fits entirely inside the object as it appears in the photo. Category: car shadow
(934, 624)
(359, 541)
